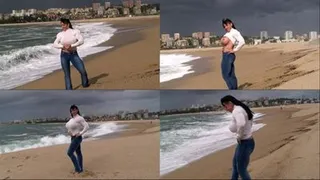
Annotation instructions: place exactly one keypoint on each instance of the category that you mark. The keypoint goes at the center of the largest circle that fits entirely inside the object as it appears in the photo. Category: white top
(72, 37)
(77, 125)
(235, 37)
(240, 123)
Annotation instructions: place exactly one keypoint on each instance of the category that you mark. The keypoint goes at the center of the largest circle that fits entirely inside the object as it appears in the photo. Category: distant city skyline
(176, 99)
(6, 6)
(250, 16)
(22, 105)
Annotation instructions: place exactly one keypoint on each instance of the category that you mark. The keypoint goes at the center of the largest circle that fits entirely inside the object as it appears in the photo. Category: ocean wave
(21, 66)
(102, 129)
(180, 147)
(17, 135)
(173, 66)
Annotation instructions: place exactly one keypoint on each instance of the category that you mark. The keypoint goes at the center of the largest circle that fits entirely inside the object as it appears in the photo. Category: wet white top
(236, 38)
(77, 125)
(72, 37)
(240, 123)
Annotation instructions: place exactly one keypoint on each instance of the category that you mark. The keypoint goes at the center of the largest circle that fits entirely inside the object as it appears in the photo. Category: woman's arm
(56, 43)
(79, 38)
(85, 126)
(237, 35)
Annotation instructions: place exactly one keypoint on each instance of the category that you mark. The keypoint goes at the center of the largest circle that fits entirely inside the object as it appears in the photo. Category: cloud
(32, 104)
(187, 16)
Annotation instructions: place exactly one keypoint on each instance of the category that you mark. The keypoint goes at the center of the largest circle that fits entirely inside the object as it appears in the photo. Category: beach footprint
(84, 174)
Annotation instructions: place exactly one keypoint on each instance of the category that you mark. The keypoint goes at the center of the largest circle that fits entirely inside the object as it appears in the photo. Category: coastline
(133, 153)
(279, 66)
(84, 21)
(281, 136)
(138, 72)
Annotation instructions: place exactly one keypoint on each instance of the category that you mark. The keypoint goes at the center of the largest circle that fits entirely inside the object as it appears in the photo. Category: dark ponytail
(74, 107)
(235, 101)
(228, 21)
(66, 21)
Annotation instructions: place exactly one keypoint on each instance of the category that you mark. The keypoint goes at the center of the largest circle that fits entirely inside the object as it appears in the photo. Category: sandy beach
(266, 66)
(131, 154)
(286, 148)
(133, 63)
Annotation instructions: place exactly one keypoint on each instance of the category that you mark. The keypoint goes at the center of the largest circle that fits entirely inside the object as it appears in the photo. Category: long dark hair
(66, 21)
(235, 101)
(228, 21)
(73, 107)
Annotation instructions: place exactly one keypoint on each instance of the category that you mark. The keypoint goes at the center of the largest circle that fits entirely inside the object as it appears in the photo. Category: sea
(26, 52)
(18, 137)
(175, 66)
(186, 138)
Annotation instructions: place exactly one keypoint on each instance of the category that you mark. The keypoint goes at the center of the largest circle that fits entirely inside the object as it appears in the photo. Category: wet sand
(286, 148)
(131, 154)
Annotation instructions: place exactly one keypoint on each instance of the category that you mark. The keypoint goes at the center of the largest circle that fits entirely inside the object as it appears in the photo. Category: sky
(6, 6)
(175, 99)
(21, 105)
(249, 16)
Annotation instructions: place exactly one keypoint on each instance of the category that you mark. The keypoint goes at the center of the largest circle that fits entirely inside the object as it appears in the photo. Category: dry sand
(267, 66)
(133, 63)
(286, 148)
(129, 155)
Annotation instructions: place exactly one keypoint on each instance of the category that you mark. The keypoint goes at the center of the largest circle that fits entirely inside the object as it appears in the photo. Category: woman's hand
(67, 47)
(69, 132)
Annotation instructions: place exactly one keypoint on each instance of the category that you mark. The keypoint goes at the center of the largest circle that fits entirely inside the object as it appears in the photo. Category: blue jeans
(241, 159)
(75, 147)
(74, 58)
(228, 70)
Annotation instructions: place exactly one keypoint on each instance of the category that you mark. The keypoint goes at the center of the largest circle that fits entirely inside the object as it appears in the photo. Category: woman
(76, 127)
(242, 125)
(68, 40)
(232, 42)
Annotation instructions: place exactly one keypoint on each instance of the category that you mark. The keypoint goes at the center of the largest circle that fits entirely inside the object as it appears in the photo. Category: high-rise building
(95, 6)
(207, 35)
(130, 3)
(313, 35)
(288, 35)
(195, 35)
(165, 37)
(264, 35)
(138, 3)
(200, 35)
(206, 42)
(101, 10)
(107, 5)
(125, 3)
(176, 36)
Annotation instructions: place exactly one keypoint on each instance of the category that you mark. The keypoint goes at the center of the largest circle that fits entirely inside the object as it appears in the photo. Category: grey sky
(6, 6)
(172, 99)
(249, 16)
(17, 105)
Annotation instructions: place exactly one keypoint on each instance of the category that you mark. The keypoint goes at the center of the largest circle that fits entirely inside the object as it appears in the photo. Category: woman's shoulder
(238, 109)
(235, 31)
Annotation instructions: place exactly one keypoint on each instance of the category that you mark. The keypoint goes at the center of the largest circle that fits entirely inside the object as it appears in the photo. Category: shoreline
(279, 66)
(99, 69)
(107, 162)
(83, 21)
(276, 135)
(255, 108)
(198, 66)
